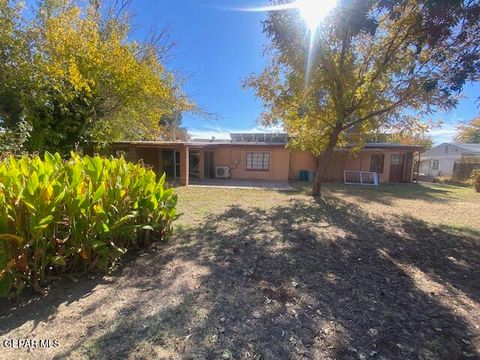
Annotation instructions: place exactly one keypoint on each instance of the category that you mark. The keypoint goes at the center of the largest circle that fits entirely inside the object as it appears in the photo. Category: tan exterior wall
(385, 177)
(301, 160)
(235, 157)
(343, 160)
(283, 163)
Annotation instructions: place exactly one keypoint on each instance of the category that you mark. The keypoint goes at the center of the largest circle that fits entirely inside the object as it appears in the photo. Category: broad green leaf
(161, 182)
(49, 158)
(98, 193)
(123, 220)
(46, 220)
(59, 260)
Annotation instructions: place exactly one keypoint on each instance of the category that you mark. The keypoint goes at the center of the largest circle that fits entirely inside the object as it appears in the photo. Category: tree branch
(374, 113)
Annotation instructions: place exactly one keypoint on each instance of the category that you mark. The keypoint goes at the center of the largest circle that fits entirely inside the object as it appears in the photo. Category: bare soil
(256, 274)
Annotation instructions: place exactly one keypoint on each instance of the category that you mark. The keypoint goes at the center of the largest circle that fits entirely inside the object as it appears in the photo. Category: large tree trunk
(322, 161)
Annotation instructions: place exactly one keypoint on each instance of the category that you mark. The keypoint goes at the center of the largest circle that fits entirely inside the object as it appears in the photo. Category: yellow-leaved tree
(88, 83)
(362, 69)
(468, 132)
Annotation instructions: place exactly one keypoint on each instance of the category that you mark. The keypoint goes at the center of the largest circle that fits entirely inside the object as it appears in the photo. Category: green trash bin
(303, 175)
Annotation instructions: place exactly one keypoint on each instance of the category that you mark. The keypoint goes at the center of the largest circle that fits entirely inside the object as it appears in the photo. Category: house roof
(199, 143)
(461, 149)
(475, 148)
(390, 146)
(279, 139)
(270, 138)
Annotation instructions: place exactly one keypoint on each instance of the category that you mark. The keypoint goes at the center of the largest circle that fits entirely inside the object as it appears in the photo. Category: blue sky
(218, 48)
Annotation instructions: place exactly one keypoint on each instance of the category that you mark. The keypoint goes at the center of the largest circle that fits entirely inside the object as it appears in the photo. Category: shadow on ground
(302, 280)
(387, 193)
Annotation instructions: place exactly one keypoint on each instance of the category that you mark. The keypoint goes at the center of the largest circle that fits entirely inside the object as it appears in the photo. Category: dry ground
(365, 273)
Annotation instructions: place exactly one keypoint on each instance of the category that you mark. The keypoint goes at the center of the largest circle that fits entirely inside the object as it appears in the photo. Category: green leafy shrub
(476, 180)
(73, 216)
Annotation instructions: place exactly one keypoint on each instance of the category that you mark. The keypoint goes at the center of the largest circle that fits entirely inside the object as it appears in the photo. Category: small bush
(73, 216)
(476, 180)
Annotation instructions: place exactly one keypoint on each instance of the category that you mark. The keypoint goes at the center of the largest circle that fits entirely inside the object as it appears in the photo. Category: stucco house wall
(300, 160)
(343, 160)
(235, 158)
(283, 164)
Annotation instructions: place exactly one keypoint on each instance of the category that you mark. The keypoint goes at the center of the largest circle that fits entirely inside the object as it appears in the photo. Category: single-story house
(454, 161)
(265, 157)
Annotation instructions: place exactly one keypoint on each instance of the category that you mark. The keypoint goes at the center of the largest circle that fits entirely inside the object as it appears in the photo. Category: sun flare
(314, 11)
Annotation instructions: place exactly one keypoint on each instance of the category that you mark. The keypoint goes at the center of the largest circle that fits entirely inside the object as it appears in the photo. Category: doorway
(396, 167)
(209, 165)
(194, 164)
(171, 163)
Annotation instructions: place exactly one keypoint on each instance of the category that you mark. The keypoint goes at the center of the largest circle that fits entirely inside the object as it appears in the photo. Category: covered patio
(171, 158)
(264, 164)
(195, 162)
(242, 184)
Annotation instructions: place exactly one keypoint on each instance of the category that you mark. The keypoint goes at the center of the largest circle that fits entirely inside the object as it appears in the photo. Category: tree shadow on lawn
(311, 280)
(39, 308)
(32, 306)
(387, 193)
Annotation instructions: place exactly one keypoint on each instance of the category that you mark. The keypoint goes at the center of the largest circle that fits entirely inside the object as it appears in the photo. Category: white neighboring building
(442, 160)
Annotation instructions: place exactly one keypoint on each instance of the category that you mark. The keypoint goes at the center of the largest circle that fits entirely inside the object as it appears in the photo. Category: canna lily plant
(73, 216)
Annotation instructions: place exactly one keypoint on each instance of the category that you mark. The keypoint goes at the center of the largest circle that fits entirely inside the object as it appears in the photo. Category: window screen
(258, 161)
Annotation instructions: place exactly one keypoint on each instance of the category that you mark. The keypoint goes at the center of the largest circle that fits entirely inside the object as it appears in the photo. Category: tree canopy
(469, 132)
(71, 73)
(361, 70)
(403, 138)
(172, 128)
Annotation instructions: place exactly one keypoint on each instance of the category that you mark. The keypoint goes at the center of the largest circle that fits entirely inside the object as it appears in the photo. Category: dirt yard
(365, 273)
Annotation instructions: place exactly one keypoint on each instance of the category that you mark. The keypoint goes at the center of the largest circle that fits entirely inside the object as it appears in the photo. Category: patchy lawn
(365, 273)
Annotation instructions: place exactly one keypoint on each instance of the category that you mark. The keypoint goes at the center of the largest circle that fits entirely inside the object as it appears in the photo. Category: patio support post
(417, 168)
(202, 164)
(184, 166)
(133, 153)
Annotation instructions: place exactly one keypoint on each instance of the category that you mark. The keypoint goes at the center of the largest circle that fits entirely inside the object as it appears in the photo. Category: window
(376, 163)
(396, 159)
(446, 149)
(177, 164)
(435, 165)
(258, 161)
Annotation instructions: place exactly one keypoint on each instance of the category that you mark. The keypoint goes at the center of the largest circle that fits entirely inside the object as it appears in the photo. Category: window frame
(435, 164)
(177, 164)
(249, 163)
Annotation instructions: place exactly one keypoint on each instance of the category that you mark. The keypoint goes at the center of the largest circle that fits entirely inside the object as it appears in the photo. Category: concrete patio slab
(243, 184)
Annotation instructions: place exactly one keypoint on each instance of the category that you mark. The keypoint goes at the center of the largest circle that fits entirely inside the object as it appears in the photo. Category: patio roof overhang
(194, 144)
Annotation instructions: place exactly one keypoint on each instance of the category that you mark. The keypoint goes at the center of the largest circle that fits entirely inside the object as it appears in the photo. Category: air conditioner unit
(222, 172)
